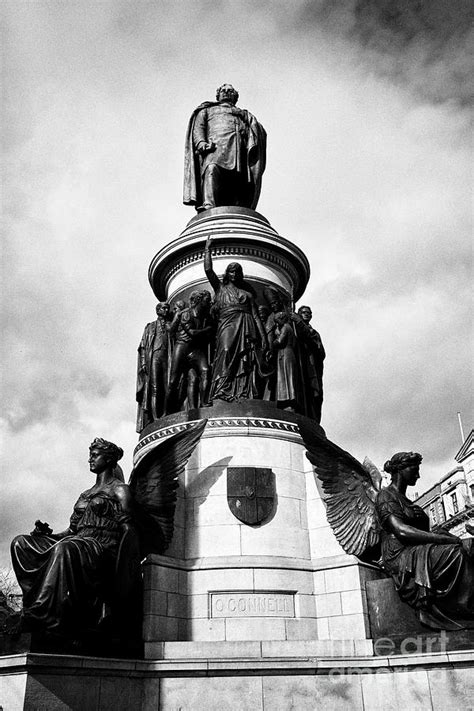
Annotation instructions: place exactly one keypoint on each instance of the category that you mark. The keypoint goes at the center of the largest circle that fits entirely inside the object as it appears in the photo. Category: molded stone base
(258, 676)
(225, 578)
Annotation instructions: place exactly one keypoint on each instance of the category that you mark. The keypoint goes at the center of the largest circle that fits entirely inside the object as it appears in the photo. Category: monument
(252, 549)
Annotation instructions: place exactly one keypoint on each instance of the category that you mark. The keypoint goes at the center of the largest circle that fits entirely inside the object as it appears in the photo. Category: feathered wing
(153, 483)
(350, 490)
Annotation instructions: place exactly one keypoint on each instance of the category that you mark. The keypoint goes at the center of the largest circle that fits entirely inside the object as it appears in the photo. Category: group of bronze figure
(87, 578)
(229, 348)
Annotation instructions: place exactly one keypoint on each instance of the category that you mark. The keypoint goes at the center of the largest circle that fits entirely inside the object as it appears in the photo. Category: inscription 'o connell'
(249, 604)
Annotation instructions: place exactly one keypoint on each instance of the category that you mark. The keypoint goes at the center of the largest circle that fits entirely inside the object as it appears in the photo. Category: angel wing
(153, 483)
(350, 489)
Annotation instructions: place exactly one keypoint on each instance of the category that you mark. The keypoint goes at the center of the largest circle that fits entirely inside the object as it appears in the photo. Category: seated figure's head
(404, 466)
(226, 92)
(104, 454)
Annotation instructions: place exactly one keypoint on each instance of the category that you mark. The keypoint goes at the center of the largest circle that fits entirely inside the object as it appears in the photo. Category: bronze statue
(190, 360)
(225, 154)
(309, 355)
(283, 343)
(87, 579)
(239, 329)
(312, 355)
(152, 369)
(275, 305)
(432, 572)
(65, 577)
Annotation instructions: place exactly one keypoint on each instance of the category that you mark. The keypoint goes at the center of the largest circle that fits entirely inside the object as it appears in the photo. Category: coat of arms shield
(251, 493)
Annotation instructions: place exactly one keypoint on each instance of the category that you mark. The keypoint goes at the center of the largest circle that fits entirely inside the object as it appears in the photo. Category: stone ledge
(260, 561)
(47, 664)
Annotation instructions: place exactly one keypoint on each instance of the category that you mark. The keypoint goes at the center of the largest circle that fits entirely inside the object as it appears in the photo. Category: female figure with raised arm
(238, 327)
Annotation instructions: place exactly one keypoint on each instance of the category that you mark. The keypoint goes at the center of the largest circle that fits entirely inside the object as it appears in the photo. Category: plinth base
(256, 676)
(225, 577)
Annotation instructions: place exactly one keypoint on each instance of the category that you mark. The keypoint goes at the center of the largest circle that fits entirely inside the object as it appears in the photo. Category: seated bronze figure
(84, 584)
(433, 572)
(68, 578)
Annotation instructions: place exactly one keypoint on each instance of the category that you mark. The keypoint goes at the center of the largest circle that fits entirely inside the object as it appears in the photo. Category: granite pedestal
(224, 580)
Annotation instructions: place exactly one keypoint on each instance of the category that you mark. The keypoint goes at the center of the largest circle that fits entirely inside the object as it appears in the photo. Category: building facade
(450, 502)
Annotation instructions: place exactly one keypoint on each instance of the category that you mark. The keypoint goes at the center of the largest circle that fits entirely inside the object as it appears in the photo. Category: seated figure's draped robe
(63, 581)
(437, 580)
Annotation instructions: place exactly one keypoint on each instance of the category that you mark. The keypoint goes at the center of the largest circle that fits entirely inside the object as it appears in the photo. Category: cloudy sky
(366, 105)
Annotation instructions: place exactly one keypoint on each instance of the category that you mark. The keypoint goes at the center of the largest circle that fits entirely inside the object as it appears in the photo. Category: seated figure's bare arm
(413, 536)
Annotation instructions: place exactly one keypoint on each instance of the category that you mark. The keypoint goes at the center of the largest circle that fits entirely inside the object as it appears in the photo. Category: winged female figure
(433, 572)
(88, 577)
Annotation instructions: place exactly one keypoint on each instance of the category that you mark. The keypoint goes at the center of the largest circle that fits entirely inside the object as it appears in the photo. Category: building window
(442, 511)
(472, 491)
(433, 516)
(454, 499)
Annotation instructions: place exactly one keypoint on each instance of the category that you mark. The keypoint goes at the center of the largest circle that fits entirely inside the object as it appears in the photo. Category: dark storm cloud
(424, 44)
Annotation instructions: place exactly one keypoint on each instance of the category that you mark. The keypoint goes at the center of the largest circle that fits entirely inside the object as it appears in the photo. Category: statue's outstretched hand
(208, 244)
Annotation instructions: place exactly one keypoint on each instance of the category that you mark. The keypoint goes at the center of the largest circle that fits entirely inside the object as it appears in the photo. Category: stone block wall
(223, 580)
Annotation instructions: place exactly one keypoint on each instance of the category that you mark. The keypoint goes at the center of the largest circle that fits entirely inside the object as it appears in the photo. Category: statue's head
(281, 317)
(273, 298)
(104, 454)
(305, 313)
(233, 273)
(226, 92)
(406, 464)
(263, 312)
(163, 309)
(195, 297)
(206, 298)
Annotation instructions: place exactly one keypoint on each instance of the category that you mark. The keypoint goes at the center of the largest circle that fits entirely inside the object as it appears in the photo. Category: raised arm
(210, 273)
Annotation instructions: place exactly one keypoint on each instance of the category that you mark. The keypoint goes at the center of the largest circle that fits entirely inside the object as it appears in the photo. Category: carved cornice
(220, 426)
(235, 232)
(262, 255)
(145, 444)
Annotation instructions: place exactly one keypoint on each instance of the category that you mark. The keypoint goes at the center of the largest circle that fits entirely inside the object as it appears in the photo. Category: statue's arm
(408, 535)
(200, 141)
(173, 326)
(124, 497)
(213, 279)
(142, 353)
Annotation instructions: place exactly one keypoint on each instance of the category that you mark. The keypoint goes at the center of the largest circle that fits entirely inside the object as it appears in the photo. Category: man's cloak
(256, 158)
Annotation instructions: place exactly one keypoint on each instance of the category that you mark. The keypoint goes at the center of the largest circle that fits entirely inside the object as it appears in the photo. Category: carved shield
(250, 493)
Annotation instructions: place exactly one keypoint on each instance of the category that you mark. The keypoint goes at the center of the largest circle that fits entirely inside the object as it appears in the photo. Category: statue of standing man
(152, 369)
(225, 154)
